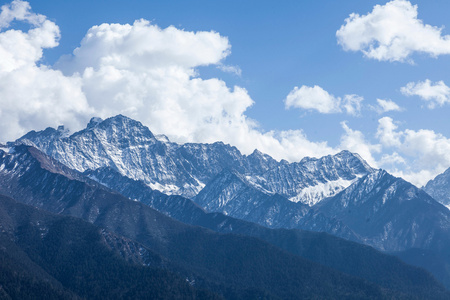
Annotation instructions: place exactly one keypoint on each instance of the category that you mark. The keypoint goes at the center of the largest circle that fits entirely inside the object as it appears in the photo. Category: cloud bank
(140, 70)
(31, 94)
(427, 152)
(392, 32)
(150, 74)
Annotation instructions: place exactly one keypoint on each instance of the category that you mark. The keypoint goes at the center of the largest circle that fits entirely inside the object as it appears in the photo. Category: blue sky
(266, 49)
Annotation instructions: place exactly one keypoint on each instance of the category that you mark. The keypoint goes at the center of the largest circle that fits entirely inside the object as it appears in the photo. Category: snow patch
(314, 194)
(168, 189)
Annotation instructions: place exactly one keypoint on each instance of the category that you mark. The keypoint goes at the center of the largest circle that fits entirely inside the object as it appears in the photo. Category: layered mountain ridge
(235, 266)
(131, 148)
(338, 194)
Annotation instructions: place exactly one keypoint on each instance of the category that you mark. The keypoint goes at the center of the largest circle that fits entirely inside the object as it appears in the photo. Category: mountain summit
(339, 194)
(439, 188)
(129, 147)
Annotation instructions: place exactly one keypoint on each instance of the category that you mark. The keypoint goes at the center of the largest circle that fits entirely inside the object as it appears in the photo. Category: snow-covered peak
(313, 179)
(129, 147)
(368, 182)
(439, 188)
(94, 122)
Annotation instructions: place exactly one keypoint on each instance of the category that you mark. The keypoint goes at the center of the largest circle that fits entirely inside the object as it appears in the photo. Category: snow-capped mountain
(340, 194)
(220, 262)
(355, 201)
(390, 214)
(439, 188)
(131, 148)
(312, 179)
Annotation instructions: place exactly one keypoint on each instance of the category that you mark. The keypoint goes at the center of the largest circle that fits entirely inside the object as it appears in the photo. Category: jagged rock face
(379, 210)
(31, 177)
(273, 211)
(312, 180)
(348, 198)
(390, 214)
(130, 148)
(228, 193)
(439, 188)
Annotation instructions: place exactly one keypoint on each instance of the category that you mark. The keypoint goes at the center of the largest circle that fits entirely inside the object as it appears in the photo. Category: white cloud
(149, 74)
(158, 85)
(139, 70)
(392, 32)
(392, 160)
(19, 49)
(230, 69)
(21, 11)
(427, 152)
(316, 98)
(436, 94)
(387, 134)
(416, 156)
(31, 95)
(386, 106)
(142, 46)
(352, 104)
(418, 178)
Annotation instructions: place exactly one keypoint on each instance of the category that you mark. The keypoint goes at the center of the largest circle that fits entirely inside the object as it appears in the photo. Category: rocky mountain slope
(131, 148)
(439, 188)
(390, 213)
(339, 194)
(46, 256)
(231, 265)
(378, 210)
(348, 257)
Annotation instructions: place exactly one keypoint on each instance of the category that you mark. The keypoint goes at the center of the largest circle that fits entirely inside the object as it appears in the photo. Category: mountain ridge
(203, 255)
(439, 188)
(187, 246)
(128, 146)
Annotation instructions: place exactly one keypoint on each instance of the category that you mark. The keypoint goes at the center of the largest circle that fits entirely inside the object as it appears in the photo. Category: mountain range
(131, 148)
(183, 203)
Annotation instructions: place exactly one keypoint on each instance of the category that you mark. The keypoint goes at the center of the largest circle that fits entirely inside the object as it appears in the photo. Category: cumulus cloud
(392, 32)
(150, 74)
(142, 46)
(18, 48)
(21, 11)
(392, 160)
(436, 94)
(140, 70)
(316, 98)
(32, 94)
(427, 152)
(386, 106)
(387, 134)
(352, 104)
(417, 156)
